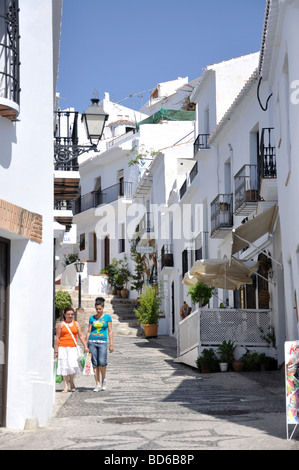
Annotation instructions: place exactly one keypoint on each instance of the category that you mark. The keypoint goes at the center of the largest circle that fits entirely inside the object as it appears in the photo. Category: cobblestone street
(154, 403)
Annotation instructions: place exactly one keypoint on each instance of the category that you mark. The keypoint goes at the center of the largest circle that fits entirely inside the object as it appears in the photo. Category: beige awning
(255, 228)
(223, 274)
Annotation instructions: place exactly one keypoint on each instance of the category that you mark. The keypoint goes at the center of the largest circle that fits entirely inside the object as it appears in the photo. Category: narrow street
(153, 403)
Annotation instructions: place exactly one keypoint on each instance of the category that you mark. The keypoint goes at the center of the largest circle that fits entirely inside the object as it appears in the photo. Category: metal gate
(4, 283)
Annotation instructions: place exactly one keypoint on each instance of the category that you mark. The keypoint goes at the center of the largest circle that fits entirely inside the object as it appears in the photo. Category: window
(9, 56)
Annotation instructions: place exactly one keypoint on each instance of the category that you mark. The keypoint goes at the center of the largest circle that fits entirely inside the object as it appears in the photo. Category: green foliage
(139, 271)
(149, 307)
(251, 360)
(62, 301)
(143, 155)
(207, 360)
(226, 351)
(200, 293)
(118, 272)
(70, 258)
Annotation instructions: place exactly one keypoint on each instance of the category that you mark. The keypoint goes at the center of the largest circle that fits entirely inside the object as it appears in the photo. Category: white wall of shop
(26, 175)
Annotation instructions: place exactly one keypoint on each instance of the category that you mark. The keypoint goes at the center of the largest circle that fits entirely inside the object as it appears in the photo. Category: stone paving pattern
(154, 403)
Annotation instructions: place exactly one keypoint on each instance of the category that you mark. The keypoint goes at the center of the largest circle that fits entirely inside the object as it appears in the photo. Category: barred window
(9, 56)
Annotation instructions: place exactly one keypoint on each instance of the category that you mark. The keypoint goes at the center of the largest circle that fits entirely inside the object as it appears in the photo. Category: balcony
(104, 196)
(63, 213)
(146, 229)
(188, 181)
(268, 185)
(246, 190)
(221, 215)
(201, 246)
(201, 143)
(166, 257)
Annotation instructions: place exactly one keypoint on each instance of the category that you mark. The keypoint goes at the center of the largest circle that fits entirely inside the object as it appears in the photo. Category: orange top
(66, 340)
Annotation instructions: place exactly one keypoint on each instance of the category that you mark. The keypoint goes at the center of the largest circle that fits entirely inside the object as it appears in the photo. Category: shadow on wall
(7, 138)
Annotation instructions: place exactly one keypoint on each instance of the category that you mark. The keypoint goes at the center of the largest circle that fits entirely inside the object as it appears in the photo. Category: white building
(279, 69)
(27, 90)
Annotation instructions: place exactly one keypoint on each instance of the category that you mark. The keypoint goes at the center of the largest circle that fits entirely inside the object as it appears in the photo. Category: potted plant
(125, 275)
(251, 360)
(267, 363)
(148, 311)
(137, 279)
(200, 293)
(226, 350)
(207, 362)
(111, 271)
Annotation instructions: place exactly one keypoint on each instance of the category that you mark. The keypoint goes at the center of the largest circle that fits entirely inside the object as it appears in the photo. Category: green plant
(268, 337)
(111, 271)
(139, 157)
(149, 308)
(70, 258)
(124, 272)
(139, 268)
(207, 361)
(200, 293)
(267, 362)
(251, 360)
(226, 351)
(62, 301)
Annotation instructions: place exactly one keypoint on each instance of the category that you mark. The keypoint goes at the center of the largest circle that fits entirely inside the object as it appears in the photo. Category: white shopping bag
(88, 369)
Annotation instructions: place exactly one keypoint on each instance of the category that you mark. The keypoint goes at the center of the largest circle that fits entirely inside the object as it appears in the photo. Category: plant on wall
(139, 270)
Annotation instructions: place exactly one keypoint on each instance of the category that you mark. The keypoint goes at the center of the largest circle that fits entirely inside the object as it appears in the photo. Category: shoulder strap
(71, 334)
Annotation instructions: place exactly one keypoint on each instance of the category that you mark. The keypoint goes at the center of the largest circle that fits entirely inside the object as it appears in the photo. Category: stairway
(124, 320)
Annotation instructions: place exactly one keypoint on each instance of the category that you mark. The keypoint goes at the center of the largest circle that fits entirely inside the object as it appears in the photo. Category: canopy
(255, 228)
(223, 274)
(170, 115)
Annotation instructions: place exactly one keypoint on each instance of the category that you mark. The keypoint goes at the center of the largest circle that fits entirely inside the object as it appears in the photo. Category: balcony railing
(189, 180)
(246, 189)
(166, 256)
(268, 154)
(105, 196)
(201, 245)
(201, 143)
(210, 327)
(221, 215)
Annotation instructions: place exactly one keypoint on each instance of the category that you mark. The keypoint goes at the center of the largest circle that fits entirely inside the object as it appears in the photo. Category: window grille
(9, 50)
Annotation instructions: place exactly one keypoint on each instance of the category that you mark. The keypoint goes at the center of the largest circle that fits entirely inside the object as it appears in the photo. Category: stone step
(121, 310)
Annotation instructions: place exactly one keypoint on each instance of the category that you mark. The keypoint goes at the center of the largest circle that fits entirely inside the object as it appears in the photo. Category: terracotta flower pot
(150, 331)
(238, 365)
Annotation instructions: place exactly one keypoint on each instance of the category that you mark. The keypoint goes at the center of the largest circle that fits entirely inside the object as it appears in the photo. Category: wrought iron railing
(189, 180)
(267, 153)
(166, 256)
(246, 186)
(201, 143)
(9, 50)
(221, 212)
(105, 196)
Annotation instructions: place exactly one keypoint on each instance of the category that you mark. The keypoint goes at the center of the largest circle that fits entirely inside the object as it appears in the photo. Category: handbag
(79, 350)
(58, 378)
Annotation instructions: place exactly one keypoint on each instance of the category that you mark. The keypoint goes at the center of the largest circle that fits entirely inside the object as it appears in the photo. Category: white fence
(210, 327)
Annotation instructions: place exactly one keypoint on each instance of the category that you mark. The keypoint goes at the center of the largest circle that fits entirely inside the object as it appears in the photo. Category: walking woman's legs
(65, 383)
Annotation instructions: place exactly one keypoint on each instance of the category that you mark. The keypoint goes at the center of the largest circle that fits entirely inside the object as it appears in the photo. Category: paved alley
(153, 403)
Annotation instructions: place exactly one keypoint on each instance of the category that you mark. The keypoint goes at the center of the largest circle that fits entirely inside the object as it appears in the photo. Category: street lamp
(94, 120)
(79, 265)
(66, 145)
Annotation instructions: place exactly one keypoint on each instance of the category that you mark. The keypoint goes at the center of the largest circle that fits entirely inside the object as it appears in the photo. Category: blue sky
(125, 47)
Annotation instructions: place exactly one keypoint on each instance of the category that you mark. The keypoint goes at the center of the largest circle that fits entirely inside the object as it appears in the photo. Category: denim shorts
(98, 353)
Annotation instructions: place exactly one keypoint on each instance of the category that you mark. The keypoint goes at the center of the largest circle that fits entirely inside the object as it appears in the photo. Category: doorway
(4, 285)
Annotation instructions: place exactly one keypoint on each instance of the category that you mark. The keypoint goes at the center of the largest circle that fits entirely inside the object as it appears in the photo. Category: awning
(255, 228)
(169, 115)
(223, 274)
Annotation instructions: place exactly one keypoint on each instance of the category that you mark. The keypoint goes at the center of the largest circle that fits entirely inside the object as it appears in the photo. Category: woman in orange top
(66, 349)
